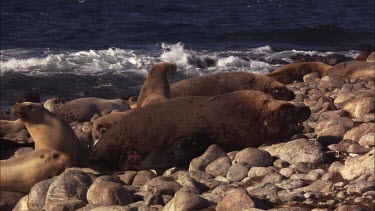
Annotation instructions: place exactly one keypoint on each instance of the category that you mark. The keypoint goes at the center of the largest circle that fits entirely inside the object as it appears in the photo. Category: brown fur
(216, 84)
(294, 72)
(353, 70)
(371, 57)
(174, 131)
(156, 86)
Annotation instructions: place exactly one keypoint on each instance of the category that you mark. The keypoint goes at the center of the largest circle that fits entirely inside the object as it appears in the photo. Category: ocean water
(76, 48)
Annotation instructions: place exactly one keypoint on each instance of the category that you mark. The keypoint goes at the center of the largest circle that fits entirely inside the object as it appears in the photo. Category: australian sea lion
(22, 173)
(50, 132)
(174, 131)
(371, 57)
(353, 69)
(9, 126)
(52, 103)
(365, 53)
(294, 72)
(84, 109)
(156, 86)
(216, 84)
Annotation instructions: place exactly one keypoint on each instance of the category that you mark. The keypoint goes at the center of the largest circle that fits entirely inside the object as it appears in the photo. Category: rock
(170, 171)
(333, 177)
(112, 208)
(360, 187)
(66, 205)
(255, 172)
(185, 201)
(153, 199)
(290, 196)
(127, 177)
(69, 185)
(303, 167)
(308, 177)
(311, 77)
(237, 199)
(344, 97)
(219, 167)
(222, 189)
(331, 82)
(273, 149)
(280, 164)
(162, 186)
(143, 177)
(38, 193)
(254, 157)
(332, 131)
(317, 186)
(302, 150)
(356, 133)
(205, 179)
(108, 193)
(357, 149)
(290, 184)
(367, 140)
(268, 194)
(273, 178)
(8, 200)
(359, 107)
(212, 153)
(287, 172)
(22, 204)
(349, 208)
(363, 165)
(238, 171)
(233, 154)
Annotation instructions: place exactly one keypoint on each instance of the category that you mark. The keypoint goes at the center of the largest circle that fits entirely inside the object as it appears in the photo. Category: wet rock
(8, 199)
(254, 157)
(66, 205)
(358, 108)
(363, 165)
(143, 177)
(302, 150)
(38, 193)
(185, 201)
(212, 153)
(237, 199)
(356, 133)
(162, 186)
(219, 167)
(108, 193)
(238, 171)
(71, 184)
(367, 140)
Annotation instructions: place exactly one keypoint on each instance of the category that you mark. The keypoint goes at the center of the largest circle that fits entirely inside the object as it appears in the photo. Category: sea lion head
(169, 68)
(279, 92)
(285, 118)
(30, 112)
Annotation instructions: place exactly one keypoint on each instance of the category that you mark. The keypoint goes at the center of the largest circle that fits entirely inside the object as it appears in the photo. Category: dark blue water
(208, 25)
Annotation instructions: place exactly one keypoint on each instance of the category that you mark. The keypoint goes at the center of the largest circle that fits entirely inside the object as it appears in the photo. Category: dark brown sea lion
(294, 72)
(156, 86)
(353, 70)
(174, 131)
(216, 84)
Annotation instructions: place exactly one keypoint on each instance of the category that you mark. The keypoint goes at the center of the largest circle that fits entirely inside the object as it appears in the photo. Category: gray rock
(238, 171)
(273, 178)
(108, 193)
(268, 194)
(66, 205)
(302, 150)
(162, 186)
(255, 172)
(237, 199)
(290, 184)
(212, 153)
(219, 167)
(363, 165)
(185, 201)
(359, 107)
(70, 184)
(317, 186)
(38, 193)
(367, 140)
(290, 196)
(360, 187)
(254, 157)
(127, 177)
(357, 149)
(356, 133)
(143, 177)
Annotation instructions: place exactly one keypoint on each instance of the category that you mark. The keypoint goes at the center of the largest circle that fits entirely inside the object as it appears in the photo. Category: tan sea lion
(216, 84)
(9, 126)
(371, 57)
(294, 72)
(174, 131)
(22, 173)
(50, 132)
(156, 86)
(83, 109)
(353, 70)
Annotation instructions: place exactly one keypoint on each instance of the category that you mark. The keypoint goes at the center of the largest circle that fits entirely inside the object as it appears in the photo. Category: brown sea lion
(365, 53)
(50, 132)
(216, 84)
(9, 126)
(294, 72)
(353, 69)
(52, 103)
(22, 173)
(156, 86)
(174, 131)
(83, 109)
(371, 57)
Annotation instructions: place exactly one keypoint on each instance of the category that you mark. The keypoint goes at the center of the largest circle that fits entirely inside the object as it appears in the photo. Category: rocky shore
(329, 167)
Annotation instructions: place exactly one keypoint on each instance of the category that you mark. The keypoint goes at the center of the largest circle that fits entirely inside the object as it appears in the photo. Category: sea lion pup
(216, 84)
(50, 132)
(22, 173)
(353, 70)
(9, 126)
(83, 109)
(294, 72)
(172, 132)
(371, 58)
(156, 86)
